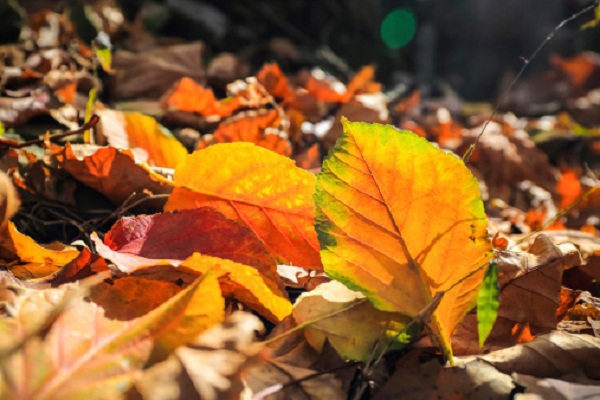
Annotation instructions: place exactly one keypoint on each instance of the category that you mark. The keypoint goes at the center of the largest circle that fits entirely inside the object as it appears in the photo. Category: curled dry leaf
(530, 294)
(142, 134)
(287, 359)
(32, 259)
(210, 368)
(351, 324)
(261, 190)
(419, 376)
(113, 173)
(553, 355)
(536, 388)
(505, 156)
(374, 201)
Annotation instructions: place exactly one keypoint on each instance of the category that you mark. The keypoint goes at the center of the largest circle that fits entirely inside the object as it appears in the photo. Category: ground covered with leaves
(176, 228)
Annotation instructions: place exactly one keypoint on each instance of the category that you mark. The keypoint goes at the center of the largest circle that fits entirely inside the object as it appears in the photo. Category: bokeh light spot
(398, 28)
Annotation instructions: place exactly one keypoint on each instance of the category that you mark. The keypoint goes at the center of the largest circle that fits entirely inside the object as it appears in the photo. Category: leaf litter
(186, 249)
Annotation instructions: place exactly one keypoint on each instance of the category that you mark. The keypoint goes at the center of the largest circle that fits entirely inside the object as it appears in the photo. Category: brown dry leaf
(353, 326)
(17, 111)
(505, 157)
(530, 289)
(290, 358)
(150, 74)
(584, 276)
(113, 173)
(210, 368)
(552, 355)
(353, 110)
(421, 376)
(540, 388)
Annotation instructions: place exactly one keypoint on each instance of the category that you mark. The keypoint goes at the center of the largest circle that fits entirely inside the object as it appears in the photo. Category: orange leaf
(40, 260)
(67, 93)
(323, 91)
(164, 150)
(569, 188)
(258, 188)
(112, 172)
(189, 96)
(362, 82)
(276, 83)
(401, 220)
(578, 68)
(253, 128)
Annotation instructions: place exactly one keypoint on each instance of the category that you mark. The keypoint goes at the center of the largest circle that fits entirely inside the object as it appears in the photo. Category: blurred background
(474, 46)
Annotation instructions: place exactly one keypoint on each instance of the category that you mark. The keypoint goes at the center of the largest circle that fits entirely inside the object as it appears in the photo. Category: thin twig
(18, 145)
(526, 62)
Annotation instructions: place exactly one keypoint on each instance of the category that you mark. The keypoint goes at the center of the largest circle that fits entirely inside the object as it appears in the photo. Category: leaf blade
(488, 302)
(375, 200)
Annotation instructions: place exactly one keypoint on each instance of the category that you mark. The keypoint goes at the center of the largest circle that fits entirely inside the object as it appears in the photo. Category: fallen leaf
(551, 355)
(536, 388)
(287, 360)
(9, 199)
(34, 260)
(84, 354)
(352, 325)
(530, 288)
(418, 376)
(374, 200)
(130, 297)
(113, 173)
(262, 129)
(163, 149)
(247, 285)
(151, 73)
(187, 95)
(210, 368)
(177, 235)
(258, 188)
(569, 188)
(275, 82)
(504, 157)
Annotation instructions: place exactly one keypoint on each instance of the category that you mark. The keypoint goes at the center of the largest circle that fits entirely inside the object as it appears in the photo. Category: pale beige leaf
(351, 324)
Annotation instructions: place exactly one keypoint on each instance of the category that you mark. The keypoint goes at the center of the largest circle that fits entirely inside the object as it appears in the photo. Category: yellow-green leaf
(400, 220)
